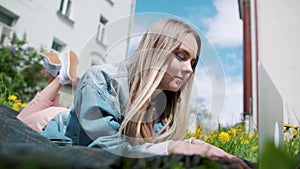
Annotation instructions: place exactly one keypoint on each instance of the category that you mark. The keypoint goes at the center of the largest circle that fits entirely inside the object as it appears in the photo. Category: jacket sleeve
(95, 122)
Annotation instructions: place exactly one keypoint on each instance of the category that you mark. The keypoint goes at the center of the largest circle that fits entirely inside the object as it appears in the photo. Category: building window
(101, 30)
(65, 7)
(58, 45)
(5, 33)
(7, 20)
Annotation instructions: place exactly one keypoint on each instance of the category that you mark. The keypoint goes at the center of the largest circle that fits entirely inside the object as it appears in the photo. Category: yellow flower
(193, 134)
(295, 133)
(239, 130)
(251, 136)
(287, 125)
(245, 134)
(239, 126)
(199, 128)
(233, 131)
(224, 137)
(255, 148)
(244, 141)
(16, 107)
(23, 105)
(12, 97)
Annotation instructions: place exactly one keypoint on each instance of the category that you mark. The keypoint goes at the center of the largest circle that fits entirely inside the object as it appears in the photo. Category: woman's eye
(179, 57)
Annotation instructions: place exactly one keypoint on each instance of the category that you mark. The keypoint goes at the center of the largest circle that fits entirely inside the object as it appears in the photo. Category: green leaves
(20, 69)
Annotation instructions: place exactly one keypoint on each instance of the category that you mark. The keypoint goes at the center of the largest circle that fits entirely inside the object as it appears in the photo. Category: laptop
(270, 112)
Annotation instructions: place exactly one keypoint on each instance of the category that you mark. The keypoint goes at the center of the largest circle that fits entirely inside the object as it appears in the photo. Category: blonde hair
(147, 70)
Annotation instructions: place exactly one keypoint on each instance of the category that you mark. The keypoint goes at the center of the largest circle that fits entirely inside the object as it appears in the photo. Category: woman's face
(180, 65)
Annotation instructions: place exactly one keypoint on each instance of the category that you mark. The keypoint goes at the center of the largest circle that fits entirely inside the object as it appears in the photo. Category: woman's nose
(187, 68)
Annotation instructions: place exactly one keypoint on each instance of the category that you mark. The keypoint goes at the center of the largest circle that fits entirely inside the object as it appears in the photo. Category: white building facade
(277, 46)
(90, 28)
(273, 42)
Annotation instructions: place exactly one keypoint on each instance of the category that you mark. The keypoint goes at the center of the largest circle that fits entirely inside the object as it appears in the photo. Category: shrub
(20, 69)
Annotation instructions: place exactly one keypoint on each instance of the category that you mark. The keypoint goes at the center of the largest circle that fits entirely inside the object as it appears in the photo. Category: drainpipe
(247, 59)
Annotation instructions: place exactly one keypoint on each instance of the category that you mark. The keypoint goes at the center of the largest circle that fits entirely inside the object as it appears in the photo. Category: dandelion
(245, 134)
(253, 136)
(295, 133)
(12, 97)
(19, 101)
(239, 126)
(233, 131)
(224, 137)
(287, 126)
(255, 148)
(199, 129)
(16, 107)
(23, 105)
(244, 141)
(193, 134)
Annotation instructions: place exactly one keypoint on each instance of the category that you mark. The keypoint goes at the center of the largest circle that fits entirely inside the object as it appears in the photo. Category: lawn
(237, 141)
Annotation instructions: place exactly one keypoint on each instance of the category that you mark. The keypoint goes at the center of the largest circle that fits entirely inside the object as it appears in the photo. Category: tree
(199, 111)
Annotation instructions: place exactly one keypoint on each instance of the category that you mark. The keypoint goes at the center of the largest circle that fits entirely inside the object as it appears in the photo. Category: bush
(20, 69)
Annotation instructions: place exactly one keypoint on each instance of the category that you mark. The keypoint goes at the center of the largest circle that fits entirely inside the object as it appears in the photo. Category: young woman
(141, 104)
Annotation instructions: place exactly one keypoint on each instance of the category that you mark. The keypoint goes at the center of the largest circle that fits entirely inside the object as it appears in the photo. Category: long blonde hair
(147, 70)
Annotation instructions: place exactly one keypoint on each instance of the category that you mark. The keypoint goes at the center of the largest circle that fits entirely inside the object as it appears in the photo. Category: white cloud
(233, 62)
(233, 107)
(229, 102)
(203, 85)
(225, 28)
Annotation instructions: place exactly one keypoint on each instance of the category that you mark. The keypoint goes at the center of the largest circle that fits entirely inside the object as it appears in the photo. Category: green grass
(237, 141)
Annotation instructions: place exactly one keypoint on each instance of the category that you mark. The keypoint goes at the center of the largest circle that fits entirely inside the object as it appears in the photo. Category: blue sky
(218, 21)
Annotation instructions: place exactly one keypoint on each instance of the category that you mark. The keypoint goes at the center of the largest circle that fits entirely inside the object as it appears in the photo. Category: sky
(219, 76)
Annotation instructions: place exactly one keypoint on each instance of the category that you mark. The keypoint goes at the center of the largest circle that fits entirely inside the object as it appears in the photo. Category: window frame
(100, 37)
(56, 41)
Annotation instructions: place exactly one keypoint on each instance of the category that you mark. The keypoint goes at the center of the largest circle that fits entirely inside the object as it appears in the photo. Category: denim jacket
(99, 104)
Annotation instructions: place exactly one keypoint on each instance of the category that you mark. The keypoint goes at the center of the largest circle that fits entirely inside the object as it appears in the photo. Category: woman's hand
(198, 147)
(216, 153)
